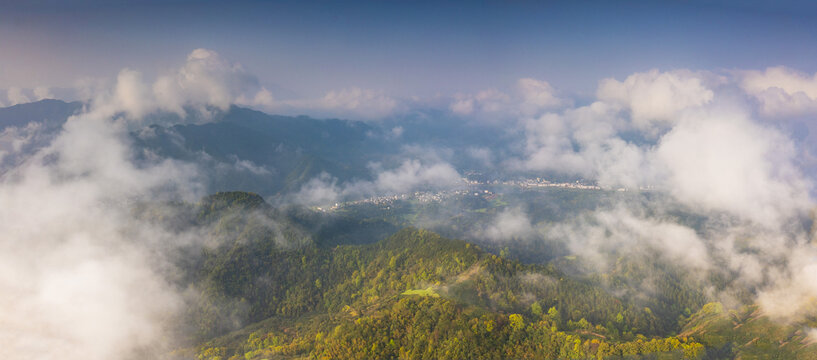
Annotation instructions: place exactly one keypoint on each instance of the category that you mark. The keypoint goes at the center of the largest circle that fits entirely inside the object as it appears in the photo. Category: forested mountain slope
(275, 291)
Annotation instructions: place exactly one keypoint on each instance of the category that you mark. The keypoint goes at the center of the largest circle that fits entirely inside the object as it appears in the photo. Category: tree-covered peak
(232, 200)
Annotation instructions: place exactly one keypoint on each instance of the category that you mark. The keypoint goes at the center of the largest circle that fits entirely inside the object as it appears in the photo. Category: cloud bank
(95, 288)
(687, 135)
(80, 276)
(412, 174)
(528, 98)
(781, 91)
(206, 81)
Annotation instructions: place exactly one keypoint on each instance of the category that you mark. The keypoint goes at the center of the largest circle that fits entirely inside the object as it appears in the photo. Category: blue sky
(302, 49)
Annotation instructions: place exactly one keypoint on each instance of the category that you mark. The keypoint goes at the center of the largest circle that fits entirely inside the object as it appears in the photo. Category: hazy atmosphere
(327, 180)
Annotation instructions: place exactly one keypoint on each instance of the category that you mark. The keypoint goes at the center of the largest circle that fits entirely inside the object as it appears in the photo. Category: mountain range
(471, 272)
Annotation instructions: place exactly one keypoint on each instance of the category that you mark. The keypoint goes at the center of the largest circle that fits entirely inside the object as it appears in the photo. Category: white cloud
(537, 95)
(623, 230)
(368, 103)
(581, 141)
(43, 92)
(16, 96)
(711, 155)
(723, 161)
(655, 99)
(508, 225)
(781, 91)
(411, 175)
(351, 103)
(530, 97)
(80, 276)
(132, 95)
(205, 81)
(263, 99)
(483, 155)
(77, 280)
(793, 289)
(490, 102)
(207, 78)
(462, 106)
(321, 190)
(396, 132)
(15, 142)
(249, 166)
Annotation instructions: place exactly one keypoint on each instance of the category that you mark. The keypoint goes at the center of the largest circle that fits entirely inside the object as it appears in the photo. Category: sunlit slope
(270, 288)
(302, 283)
(418, 295)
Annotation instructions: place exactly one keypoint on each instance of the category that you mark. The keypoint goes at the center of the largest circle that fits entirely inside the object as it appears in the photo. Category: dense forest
(293, 283)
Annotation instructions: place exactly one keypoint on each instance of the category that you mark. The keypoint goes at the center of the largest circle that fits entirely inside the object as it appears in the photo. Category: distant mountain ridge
(249, 150)
(49, 112)
(269, 154)
(239, 148)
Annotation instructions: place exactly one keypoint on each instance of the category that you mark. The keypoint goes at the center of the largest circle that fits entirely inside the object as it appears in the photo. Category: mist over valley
(270, 200)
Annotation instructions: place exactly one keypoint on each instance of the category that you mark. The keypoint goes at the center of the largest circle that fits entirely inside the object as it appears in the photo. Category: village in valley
(474, 185)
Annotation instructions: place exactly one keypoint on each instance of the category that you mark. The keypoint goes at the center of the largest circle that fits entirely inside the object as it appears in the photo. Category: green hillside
(273, 288)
